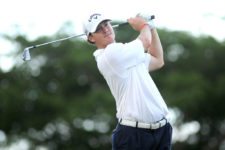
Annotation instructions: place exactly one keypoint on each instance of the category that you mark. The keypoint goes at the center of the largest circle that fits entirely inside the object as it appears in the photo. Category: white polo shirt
(125, 69)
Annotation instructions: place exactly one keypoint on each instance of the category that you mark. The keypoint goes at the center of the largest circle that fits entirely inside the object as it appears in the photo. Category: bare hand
(137, 23)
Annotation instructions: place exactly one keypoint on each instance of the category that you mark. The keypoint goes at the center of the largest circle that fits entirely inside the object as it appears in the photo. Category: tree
(59, 99)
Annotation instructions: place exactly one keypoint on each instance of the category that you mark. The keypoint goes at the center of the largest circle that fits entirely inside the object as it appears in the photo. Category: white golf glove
(148, 19)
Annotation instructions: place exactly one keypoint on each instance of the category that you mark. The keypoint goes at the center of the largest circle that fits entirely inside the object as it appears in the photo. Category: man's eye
(105, 24)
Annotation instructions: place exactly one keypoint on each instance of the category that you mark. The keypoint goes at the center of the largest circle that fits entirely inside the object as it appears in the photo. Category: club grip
(126, 23)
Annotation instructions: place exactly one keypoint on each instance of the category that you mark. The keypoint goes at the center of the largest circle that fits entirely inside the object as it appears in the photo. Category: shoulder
(97, 52)
(119, 45)
(114, 47)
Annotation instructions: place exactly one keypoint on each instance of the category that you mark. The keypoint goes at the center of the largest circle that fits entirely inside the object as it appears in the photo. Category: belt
(136, 124)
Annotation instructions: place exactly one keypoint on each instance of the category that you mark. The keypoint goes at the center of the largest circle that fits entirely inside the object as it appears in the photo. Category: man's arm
(156, 52)
(150, 41)
(141, 25)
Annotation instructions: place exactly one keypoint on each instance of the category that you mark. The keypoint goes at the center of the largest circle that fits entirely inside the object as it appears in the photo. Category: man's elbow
(156, 64)
(161, 63)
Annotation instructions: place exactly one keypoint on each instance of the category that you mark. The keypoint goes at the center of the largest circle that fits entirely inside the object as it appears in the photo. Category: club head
(26, 54)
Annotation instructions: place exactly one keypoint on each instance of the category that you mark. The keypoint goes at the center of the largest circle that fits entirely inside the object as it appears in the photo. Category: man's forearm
(156, 52)
(155, 48)
(146, 37)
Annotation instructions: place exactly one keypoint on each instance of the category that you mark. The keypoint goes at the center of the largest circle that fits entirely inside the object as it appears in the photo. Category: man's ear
(90, 39)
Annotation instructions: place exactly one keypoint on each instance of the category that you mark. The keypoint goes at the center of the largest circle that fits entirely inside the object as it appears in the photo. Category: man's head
(99, 30)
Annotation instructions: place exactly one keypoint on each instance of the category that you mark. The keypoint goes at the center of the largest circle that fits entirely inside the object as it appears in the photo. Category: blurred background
(59, 100)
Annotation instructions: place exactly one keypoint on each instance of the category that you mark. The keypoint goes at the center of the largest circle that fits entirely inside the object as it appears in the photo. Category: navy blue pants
(130, 138)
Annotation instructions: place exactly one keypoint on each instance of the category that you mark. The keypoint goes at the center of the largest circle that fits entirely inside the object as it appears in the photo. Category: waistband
(137, 124)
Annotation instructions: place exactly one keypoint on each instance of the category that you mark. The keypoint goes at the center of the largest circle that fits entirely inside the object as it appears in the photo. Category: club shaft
(59, 40)
(74, 36)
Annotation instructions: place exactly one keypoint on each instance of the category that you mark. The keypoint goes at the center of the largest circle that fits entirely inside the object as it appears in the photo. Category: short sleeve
(147, 60)
(126, 55)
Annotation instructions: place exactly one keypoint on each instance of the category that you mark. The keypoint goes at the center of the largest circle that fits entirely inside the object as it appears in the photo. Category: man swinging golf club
(141, 111)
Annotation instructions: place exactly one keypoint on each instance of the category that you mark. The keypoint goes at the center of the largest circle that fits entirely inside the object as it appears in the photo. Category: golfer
(141, 111)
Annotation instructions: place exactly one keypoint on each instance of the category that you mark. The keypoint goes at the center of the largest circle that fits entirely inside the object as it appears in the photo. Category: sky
(35, 18)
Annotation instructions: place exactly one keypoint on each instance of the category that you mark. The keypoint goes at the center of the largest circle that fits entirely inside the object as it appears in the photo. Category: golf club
(26, 53)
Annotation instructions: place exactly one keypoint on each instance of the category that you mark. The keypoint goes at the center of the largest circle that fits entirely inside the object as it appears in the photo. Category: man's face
(103, 35)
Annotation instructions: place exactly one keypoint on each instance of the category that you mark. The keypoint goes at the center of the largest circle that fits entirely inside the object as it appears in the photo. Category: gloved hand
(148, 19)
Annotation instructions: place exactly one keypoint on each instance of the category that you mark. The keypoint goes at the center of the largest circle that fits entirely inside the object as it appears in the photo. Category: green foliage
(59, 99)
